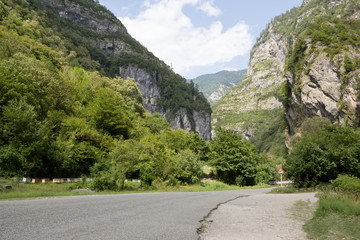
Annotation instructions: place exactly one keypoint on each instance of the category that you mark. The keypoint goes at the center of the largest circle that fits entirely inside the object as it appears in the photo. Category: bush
(322, 155)
(10, 161)
(232, 157)
(347, 183)
(338, 201)
(102, 183)
(265, 173)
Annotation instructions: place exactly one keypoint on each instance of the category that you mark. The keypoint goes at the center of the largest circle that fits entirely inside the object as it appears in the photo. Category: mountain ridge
(216, 85)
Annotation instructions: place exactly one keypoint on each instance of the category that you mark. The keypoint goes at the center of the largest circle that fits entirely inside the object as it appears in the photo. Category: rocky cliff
(308, 59)
(252, 108)
(323, 69)
(117, 53)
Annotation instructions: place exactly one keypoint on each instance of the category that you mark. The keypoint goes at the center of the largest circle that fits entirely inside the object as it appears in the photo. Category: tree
(188, 167)
(110, 113)
(322, 155)
(26, 137)
(123, 160)
(234, 159)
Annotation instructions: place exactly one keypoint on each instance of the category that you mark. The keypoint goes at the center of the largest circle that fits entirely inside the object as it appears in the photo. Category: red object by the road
(280, 171)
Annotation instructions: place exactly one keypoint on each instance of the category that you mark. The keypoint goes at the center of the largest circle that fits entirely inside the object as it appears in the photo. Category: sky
(197, 37)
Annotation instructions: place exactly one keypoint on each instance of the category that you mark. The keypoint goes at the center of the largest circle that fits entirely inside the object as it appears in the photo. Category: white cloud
(209, 8)
(167, 32)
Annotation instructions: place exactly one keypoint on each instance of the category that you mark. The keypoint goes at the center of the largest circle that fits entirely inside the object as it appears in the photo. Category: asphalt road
(124, 216)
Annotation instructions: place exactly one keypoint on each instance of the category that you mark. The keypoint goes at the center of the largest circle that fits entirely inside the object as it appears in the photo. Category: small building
(56, 180)
(45, 180)
(26, 180)
(65, 180)
(36, 180)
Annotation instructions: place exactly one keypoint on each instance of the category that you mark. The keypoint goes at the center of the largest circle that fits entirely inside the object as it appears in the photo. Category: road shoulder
(261, 216)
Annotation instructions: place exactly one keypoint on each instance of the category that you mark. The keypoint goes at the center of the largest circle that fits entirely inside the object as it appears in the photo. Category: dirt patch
(261, 216)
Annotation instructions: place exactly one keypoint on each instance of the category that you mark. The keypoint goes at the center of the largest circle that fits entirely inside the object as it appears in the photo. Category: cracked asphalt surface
(148, 216)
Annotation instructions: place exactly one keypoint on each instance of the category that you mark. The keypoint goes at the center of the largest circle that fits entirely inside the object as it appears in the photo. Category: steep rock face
(323, 94)
(147, 86)
(132, 59)
(219, 93)
(308, 59)
(258, 91)
(85, 16)
(202, 123)
(327, 83)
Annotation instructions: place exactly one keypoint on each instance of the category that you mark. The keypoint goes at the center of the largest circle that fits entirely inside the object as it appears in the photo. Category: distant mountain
(215, 86)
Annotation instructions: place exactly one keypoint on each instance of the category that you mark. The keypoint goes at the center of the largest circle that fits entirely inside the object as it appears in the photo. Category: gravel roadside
(261, 216)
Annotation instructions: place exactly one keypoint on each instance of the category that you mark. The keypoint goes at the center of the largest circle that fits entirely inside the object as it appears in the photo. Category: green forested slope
(64, 113)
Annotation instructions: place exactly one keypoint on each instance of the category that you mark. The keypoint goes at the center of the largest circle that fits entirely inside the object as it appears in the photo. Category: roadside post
(281, 172)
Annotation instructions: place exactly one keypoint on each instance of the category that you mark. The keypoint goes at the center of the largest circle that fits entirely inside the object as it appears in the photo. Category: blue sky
(197, 37)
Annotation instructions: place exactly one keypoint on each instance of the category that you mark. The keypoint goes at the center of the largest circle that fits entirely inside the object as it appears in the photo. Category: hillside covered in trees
(65, 112)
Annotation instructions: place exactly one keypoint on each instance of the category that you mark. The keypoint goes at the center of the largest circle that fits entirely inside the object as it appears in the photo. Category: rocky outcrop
(98, 20)
(259, 89)
(326, 87)
(219, 93)
(201, 122)
(147, 86)
(323, 93)
(311, 83)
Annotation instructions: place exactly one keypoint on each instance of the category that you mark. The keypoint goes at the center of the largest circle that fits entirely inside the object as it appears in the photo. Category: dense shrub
(320, 156)
(234, 159)
(347, 183)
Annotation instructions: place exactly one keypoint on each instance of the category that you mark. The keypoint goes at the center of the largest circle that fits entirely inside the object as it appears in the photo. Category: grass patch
(28, 191)
(334, 226)
(338, 213)
(292, 190)
(22, 191)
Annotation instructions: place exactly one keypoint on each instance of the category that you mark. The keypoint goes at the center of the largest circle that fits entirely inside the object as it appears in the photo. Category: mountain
(68, 107)
(304, 64)
(322, 70)
(94, 39)
(215, 86)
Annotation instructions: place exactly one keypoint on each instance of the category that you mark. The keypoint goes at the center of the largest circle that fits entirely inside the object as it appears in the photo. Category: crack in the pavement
(203, 222)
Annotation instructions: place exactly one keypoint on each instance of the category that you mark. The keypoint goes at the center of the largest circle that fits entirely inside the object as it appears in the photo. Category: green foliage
(265, 172)
(109, 112)
(233, 158)
(157, 124)
(269, 135)
(285, 94)
(65, 113)
(347, 183)
(320, 156)
(188, 167)
(10, 161)
(348, 64)
(338, 203)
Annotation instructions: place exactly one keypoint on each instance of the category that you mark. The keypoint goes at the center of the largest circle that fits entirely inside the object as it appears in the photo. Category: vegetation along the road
(62, 116)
